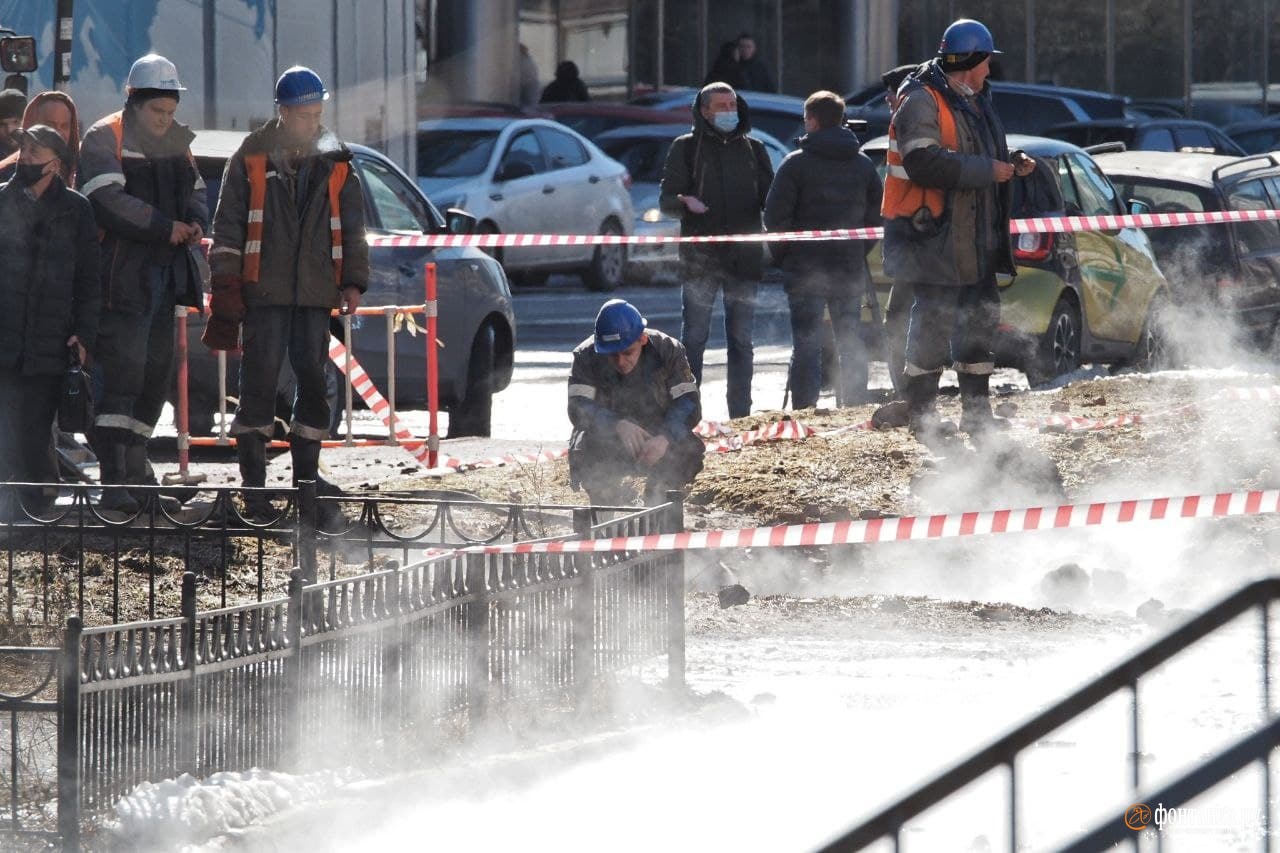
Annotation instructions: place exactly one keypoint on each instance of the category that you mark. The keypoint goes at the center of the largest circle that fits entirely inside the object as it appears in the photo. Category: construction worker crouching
(946, 212)
(149, 200)
(288, 247)
(633, 403)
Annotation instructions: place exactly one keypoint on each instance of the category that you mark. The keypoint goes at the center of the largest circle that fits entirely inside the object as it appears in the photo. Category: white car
(530, 176)
(642, 149)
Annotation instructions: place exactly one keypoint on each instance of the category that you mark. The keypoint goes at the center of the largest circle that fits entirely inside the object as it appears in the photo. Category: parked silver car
(530, 176)
(642, 149)
(477, 328)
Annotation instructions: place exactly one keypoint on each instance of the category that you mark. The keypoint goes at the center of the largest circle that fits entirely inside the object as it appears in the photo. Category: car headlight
(653, 214)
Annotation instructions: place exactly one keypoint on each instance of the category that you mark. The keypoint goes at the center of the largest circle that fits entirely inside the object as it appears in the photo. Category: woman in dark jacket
(49, 290)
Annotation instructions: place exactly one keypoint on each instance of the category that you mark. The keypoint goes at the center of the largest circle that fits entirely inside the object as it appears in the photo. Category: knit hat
(12, 103)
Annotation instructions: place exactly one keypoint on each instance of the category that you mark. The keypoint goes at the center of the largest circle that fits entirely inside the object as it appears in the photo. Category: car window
(563, 151)
(1068, 185)
(643, 158)
(525, 149)
(1022, 113)
(395, 204)
(1184, 252)
(1252, 237)
(454, 153)
(1158, 139)
(1194, 137)
(1097, 196)
(1257, 141)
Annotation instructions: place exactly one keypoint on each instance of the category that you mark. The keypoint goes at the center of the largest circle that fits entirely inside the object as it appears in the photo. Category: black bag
(75, 409)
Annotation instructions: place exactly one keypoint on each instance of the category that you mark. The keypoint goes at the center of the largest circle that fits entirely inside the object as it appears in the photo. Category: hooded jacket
(28, 119)
(48, 277)
(731, 174)
(828, 183)
(137, 195)
(970, 241)
(296, 265)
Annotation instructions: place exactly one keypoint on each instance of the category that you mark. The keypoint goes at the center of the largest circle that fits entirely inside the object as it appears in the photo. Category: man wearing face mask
(50, 291)
(633, 404)
(137, 169)
(288, 247)
(716, 180)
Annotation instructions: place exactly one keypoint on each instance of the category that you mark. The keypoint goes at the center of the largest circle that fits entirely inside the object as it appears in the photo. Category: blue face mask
(725, 122)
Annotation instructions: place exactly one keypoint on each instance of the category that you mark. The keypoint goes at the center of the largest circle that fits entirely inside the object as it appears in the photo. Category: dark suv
(1148, 134)
(1232, 268)
(477, 324)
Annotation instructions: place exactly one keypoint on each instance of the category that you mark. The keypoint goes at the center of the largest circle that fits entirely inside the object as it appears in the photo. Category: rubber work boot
(109, 445)
(976, 417)
(251, 452)
(921, 393)
(137, 472)
(305, 453)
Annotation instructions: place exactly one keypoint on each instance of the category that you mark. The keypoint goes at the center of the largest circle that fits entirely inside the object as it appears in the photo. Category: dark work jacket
(660, 394)
(297, 251)
(731, 174)
(136, 198)
(970, 241)
(49, 286)
(829, 183)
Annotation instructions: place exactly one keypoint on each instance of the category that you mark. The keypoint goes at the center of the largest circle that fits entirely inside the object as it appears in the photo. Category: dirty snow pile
(165, 815)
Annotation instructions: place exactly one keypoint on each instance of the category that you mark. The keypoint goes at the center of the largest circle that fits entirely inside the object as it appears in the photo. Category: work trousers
(270, 334)
(952, 326)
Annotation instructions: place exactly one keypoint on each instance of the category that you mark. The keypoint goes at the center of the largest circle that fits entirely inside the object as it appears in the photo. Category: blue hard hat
(618, 326)
(967, 36)
(300, 85)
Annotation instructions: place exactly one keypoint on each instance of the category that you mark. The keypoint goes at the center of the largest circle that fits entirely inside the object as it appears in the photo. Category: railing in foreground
(360, 670)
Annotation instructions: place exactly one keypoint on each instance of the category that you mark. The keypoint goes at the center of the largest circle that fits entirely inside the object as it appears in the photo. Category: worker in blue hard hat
(946, 217)
(150, 203)
(633, 403)
(288, 247)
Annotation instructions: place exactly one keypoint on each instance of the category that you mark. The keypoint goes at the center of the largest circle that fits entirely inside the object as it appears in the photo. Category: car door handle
(594, 179)
(548, 190)
(495, 196)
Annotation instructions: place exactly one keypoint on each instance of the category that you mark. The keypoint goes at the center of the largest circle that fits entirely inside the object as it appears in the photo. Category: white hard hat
(153, 71)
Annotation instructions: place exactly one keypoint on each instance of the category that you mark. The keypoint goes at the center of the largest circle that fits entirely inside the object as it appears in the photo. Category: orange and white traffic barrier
(924, 527)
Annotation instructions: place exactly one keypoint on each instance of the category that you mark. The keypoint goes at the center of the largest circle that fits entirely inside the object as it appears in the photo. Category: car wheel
(1153, 345)
(474, 415)
(609, 263)
(1060, 348)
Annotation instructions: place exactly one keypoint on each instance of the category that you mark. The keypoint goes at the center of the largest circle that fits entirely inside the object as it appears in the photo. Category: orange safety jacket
(115, 121)
(255, 166)
(903, 197)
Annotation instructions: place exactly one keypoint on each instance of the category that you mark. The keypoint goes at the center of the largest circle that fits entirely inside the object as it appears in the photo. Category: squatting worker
(715, 180)
(137, 169)
(946, 213)
(50, 291)
(633, 403)
(288, 247)
(828, 183)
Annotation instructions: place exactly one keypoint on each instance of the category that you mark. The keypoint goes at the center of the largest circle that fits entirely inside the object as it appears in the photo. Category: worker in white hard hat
(137, 170)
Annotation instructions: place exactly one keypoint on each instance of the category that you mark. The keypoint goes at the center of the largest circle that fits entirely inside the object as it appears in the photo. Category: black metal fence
(342, 670)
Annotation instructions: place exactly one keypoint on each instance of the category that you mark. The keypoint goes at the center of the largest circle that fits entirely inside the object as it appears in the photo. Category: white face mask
(725, 122)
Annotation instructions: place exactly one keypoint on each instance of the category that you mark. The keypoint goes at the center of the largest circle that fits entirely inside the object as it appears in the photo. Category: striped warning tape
(916, 528)
(1033, 225)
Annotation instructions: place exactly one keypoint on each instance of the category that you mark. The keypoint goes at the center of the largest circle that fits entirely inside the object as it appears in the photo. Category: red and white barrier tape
(1034, 225)
(915, 528)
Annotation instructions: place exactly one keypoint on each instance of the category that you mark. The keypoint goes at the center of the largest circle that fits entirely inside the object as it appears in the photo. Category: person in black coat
(726, 68)
(50, 292)
(755, 73)
(567, 86)
(828, 183)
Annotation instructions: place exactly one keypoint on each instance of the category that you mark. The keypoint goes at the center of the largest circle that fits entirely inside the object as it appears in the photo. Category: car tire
(474, 415)
(1152, 350)
(1059, 350)
(608, 264)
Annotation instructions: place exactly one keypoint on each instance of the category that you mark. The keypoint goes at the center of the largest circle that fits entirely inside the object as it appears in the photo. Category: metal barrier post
(187, 687)
(182, 405)
(293, 672)
(69, 737)
(346, 340)
(477, 638)
(308, 514)
(391, 373)
(222, 397)
(583, 616)
(431, 309)
(673, 522)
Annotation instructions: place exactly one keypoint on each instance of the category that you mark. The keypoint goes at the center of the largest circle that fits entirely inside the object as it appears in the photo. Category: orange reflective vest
(255, 166)
(902, 197)
(115, 121)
